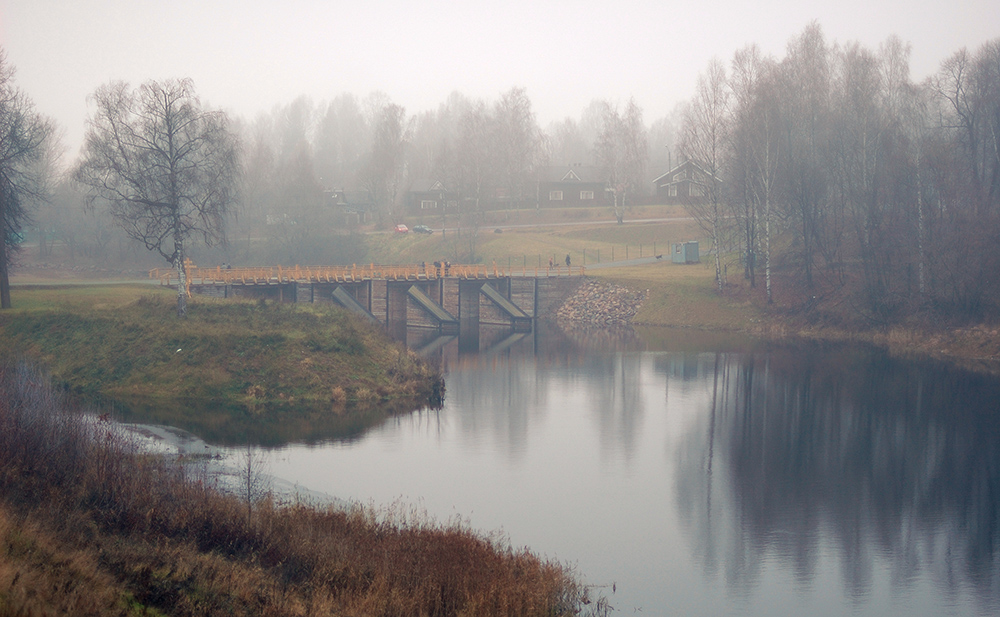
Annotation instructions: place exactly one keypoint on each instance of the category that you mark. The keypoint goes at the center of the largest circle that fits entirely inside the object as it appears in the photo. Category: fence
(277, 275)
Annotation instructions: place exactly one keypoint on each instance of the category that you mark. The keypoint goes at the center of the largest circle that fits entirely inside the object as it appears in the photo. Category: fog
(247, 56)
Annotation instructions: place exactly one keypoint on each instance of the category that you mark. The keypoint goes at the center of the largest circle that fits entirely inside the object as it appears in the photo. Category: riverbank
(125, 343)
(91, 524)
(683, 296)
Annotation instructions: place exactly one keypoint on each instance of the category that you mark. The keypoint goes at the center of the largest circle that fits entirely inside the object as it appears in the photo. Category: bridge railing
(275, 275)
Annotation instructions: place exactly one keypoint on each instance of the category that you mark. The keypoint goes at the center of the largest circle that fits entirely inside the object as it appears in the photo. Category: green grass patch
(129, 345)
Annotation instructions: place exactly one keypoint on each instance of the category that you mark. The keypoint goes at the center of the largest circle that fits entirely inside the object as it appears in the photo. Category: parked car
(422, 229)
(402, 229)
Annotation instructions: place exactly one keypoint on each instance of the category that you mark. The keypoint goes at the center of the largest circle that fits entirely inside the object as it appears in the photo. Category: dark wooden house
(430, 197)
(684, 182)
(573, 186)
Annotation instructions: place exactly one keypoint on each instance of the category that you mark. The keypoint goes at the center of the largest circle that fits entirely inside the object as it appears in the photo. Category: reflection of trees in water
(613, 386)
(217, 424)
(889, 462)
(501, 395)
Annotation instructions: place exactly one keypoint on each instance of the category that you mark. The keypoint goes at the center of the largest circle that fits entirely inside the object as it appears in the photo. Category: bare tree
(253, 484)
(382, 175)
(805, 94)
(166, 167)
(23, 135)
(341, 140)
(566, 144)
(755, 152)
(663, 138)
(968, 84)
(476, 173)
(857, 154)
(622, 148)
(704, 141)
(517, 141)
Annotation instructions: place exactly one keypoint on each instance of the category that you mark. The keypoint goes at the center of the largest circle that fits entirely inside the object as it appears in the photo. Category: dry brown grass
(117, 532)
(529, 238)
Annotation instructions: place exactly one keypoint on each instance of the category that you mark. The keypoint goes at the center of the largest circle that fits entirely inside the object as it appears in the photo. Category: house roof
(349, 199)
(427, 185)
(573, 173)
(676, 169)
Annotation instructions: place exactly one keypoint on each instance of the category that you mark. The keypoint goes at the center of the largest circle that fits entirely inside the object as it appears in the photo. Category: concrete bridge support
(447, 304)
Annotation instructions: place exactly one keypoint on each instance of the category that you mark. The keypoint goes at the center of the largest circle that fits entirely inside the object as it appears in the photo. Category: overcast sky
(246, 56)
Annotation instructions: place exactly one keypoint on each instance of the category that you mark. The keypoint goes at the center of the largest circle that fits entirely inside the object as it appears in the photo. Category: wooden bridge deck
(277, 275)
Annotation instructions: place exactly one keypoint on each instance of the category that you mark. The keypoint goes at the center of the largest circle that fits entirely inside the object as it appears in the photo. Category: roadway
(592, 223)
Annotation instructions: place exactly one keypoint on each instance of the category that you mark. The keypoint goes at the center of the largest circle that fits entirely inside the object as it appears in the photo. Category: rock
(600, 304)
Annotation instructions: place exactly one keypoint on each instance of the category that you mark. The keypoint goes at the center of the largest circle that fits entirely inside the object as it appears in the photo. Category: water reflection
(702, 473)
(846, 452)
(236, 425)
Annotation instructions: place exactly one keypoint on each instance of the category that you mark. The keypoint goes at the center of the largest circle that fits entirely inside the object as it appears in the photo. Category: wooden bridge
(449, 298)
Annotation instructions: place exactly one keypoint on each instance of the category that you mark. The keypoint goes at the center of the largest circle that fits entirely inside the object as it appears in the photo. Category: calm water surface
(707, 479)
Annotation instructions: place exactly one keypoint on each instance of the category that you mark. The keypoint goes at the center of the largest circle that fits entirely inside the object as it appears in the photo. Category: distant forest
(827, 169)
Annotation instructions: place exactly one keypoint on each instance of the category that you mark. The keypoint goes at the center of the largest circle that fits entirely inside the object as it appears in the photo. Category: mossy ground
(126, 342)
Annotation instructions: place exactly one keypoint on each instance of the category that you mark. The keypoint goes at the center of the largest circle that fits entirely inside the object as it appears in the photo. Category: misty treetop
(832, 167)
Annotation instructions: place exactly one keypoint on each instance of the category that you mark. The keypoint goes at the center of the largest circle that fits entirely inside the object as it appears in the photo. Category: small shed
(685, 253)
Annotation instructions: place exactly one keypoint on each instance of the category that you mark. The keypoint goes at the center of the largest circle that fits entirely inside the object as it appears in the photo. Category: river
(690, 474)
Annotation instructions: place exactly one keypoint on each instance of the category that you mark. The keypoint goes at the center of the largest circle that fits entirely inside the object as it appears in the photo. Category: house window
(428, 204)
(680, 176)
(696, 190)
(586, 195)
(555, 195)
(672, 190)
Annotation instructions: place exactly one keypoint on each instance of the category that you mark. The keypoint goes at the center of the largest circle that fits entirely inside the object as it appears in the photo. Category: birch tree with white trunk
(757, 149)
(704, 141)
(165, 167)
(622, 148)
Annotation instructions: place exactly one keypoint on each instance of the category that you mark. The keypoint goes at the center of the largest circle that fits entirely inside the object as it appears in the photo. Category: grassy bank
(685, 296)
(125, 343)
(89, 525)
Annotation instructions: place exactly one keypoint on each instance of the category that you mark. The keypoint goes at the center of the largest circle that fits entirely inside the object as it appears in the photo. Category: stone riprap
(597, 303)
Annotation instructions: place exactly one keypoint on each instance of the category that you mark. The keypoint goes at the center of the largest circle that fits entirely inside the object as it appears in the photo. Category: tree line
(482, 153)
(159, 167)
(831, 168)
(828, 170)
